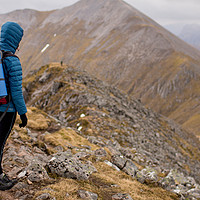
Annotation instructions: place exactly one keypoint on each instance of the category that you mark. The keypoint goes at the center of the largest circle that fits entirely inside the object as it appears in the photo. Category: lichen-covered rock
(45, 196)
(65, 165)
(124, 164)
(36, 172)
(111, 165)
(147, 175)
(181, 185)
(62, 155)
(87, 195)
(175, 178)
(80, 155)
(118, 160)
(100, 153)
(120, 196)
(168, 182)
(193, 194)
(130, 168)
(95, 140)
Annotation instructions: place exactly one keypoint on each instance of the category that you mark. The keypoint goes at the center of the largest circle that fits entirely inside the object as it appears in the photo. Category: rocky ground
(56, 162)
(86, 140)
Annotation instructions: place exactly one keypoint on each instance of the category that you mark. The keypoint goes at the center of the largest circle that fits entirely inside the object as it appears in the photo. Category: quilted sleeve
(14, 73)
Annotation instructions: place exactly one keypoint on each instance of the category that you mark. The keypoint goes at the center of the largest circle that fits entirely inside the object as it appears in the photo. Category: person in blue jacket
(11, 35)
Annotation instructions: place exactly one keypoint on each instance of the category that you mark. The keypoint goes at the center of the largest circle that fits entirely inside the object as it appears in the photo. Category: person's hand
(24, 120)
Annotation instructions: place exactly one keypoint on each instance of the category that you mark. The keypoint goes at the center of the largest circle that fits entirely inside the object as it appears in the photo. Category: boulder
(120, 196)
(147, 175)
(65, 165)
(130, 168)
(87, 195)
(124, 164)
(119, 161)
(175, 178)
(36, 173)
(100, 152)
(193, 194)
(45, 196)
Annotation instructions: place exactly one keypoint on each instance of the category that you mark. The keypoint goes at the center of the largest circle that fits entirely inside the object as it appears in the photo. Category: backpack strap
(6, 54)
(2, 116)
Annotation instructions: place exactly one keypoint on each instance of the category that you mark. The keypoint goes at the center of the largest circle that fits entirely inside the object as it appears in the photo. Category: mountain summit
(121, 46)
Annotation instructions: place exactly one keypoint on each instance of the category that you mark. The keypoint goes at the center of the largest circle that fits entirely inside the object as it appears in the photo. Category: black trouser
(6, 126)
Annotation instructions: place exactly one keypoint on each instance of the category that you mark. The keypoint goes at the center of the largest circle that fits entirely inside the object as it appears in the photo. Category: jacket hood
(11, 35)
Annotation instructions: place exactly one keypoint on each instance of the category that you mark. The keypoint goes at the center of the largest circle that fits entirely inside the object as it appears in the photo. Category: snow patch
(111, 165)
(47, 45)
(82, 115)
(21, 174)
(79, 128)
(52, 159)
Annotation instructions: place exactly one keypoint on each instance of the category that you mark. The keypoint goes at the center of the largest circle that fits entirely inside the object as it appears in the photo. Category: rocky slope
(87, 140)
(30, 153)
(92, 140)
(120, 45)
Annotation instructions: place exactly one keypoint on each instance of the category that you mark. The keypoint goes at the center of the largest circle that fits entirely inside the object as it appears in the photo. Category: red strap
(3, 101)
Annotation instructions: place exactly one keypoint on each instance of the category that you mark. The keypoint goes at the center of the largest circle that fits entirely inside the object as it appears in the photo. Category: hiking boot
(6, 183)
(6, 179)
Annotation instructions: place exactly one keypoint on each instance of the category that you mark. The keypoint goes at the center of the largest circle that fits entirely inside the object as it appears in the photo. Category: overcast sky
(162, 11)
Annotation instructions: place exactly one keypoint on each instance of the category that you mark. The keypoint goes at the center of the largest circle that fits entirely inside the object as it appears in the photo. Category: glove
(24, 120)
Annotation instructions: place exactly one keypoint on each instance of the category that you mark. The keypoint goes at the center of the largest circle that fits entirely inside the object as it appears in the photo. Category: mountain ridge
(79, 115)
(66, 93)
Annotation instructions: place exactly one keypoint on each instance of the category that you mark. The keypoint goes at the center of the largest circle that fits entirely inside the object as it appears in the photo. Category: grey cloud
(162, 11)
(169, 11)
(10, 5)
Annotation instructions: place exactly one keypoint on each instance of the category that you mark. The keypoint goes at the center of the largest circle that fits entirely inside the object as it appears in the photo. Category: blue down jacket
(11, 35)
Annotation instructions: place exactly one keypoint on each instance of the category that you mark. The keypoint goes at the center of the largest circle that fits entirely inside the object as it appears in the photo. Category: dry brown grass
(128, 185)
(107, 182)
(37, 120)
(66, 137)
(193, 124)
(63, 187)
